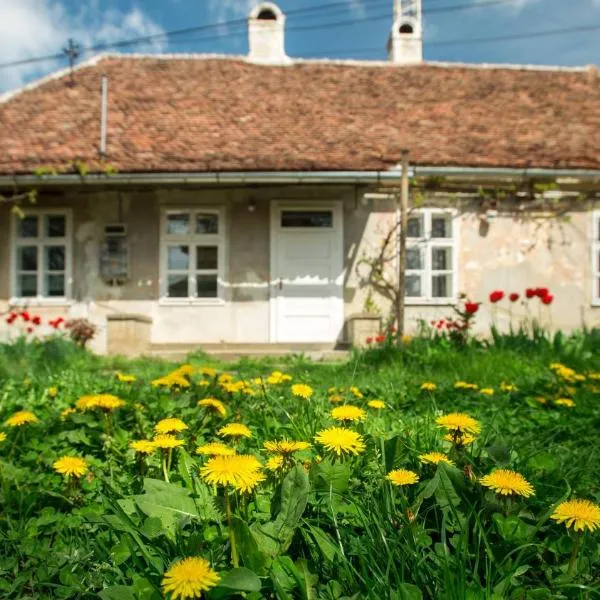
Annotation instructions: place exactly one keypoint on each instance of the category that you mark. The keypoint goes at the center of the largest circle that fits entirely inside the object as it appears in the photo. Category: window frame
(426, 243)
(40, 241)
(595, 257)
(193, 240)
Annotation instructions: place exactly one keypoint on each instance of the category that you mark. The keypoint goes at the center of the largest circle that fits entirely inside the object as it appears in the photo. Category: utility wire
(238, 22)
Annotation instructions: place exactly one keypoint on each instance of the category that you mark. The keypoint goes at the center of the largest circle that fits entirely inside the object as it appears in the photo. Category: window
(307, 218)
(596, 257)
(192, 252)
(431, 256)
(42, 255)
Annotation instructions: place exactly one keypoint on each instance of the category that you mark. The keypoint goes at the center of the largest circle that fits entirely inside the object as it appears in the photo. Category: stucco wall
(510, 254)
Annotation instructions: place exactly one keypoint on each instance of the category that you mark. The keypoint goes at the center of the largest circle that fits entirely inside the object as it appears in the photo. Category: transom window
(42, 255)
(431, 256)
(596, 257)
(192, 253)
(307, 219)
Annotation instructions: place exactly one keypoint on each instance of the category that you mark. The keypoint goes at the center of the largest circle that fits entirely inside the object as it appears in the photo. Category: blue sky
(32, 28)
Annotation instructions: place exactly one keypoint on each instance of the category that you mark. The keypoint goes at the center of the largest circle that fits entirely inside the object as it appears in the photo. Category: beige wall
(509, 254)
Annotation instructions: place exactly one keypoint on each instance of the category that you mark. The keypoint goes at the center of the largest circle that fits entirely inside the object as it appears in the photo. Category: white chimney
(266, 35)
(405, 45)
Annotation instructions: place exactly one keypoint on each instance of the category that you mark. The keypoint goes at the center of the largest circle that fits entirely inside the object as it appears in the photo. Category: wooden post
(402, 208)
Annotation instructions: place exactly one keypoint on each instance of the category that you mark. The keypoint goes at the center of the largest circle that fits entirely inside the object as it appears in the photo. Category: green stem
(164, 466)
(14, 444)
(574, 553)
(234, 553)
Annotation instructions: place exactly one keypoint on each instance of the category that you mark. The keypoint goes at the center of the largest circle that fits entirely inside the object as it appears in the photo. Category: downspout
(103, 115)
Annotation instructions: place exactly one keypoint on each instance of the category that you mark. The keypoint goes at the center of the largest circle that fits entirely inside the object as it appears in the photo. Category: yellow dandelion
(189, 578)
(171, 380)
(235, 430)
(52, 391)
(460, 439)
(434, 458)
(143, 446)
(2, 436)
(170, 425)
(213, 405)
(125, 378)
(341, 441)
(459, 422)
(275, 463)
(508, 387)
(165, 441)
(20, 418)
(487, 391)
(301, 390)
(463, 385)
(565, 402)
(286, 446)
(356, 392)
(66, 412)
(225, 378)
(240, 471)
(208, 372)
(428, 386)
(401, 477)
(332, 390)
(186, 370)
(578, 514)
(106, 402)
(348, 413)
(507, 483)
(215, 449)
(541, 400)
(594, 376)
(71, 466)
(336, 399)
(203, 383)
(376, 404)
(139, 406)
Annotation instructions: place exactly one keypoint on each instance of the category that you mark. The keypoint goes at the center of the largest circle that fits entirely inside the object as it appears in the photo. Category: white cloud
(33, 28)
(223, 10)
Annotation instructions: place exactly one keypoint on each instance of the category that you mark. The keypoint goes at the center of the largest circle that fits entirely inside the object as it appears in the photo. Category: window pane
(441, 286)
(415, 227)
(307, 218)
(206, 286)
(28, 227)
(27, 285)
(441, 259)
(178, 224)
(207, 257)
(207, 223)
(55, 258)
(27, 258)
(178, 258)
(55, 285)
(55, 226)
(441, 226)
(413, 286)
(177, 286)
(414, 259)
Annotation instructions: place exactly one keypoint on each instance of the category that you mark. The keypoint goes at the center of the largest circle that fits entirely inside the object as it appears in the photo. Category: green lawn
(313, 524)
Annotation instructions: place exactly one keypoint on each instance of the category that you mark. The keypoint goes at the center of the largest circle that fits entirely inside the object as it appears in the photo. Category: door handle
(280, 284)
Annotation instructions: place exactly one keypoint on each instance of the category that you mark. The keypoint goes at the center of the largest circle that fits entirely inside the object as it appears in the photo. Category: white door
(307, 302)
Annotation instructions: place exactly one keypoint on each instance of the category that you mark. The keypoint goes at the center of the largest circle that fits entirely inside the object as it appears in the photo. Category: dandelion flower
(508, 387)
(125, 378)
(507, 483)
(301, 390)
(171, 380)
(401, 477)
(565, 402)
(188, 578)
(23, 417)
(356, 392)
(286, 446)
(165, 441)
(463, 385)
(435, 458)
(71, 466)
(460, 439)
(225, 378)
(541, 400)
(459, 422)
(235, 430)
(214, 405)
(487, 391)
(348, 413)
(341, 441)
(170, 425)
(2, 436)
(376, 404)
(185, 370)
(215, 449)
(66, 412)
(428, 386)
(207, 372)
(52, 391)
(143, 446)
(336, 399)
(275, 463)
(240, 471)
(106, 402)
(578, 514)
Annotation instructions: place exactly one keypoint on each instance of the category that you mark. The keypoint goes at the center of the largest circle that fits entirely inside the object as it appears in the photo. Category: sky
(344, 29)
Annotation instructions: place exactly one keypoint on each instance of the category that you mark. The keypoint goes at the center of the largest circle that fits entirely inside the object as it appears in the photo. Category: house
(201, 199)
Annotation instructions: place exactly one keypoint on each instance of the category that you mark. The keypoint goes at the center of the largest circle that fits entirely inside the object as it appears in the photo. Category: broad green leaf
(394, 449)
(249, 550)
(281, 576)
(306, 580)
(158, 485)
(407, 591)
(543, 462)
(185, 465)
(236, 581)
(329, 549)
(445, 493)
(117, 592)
(144, 590)
(120, 551)
(171, 509)
(330, 478)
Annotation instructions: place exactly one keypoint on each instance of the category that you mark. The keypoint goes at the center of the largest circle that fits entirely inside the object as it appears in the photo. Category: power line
(236, 22)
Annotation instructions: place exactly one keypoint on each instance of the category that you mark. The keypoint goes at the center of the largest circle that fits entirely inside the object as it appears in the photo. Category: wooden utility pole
(402, 224)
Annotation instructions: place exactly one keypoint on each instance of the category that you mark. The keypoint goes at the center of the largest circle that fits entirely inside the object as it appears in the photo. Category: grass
(326, 527)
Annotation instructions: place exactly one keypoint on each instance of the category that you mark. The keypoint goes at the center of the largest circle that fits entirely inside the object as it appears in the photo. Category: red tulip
(471, 307)
(514, 297)
(547, 299)
(36, 320)
(25, 316)
(496, 296)
(530, 293)
(29, 329)
(380, 338)
(541, 293)
(369, 340)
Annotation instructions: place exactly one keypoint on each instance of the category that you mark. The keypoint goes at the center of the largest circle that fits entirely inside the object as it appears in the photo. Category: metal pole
(103, 115)
(402, 208)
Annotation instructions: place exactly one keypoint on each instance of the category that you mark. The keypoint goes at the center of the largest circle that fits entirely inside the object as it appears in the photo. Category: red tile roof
(210, 114)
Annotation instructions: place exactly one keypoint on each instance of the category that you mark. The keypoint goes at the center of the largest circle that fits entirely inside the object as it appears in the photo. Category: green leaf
(499, 454)
(329, 549)
(158, 485)
(117, 592)
(407, 591)
(249, 550)
(144, 590)
(281, 576)
(235, 582)
(120, 552)
(330, 478)
(445, 492)
(543, 462)
(152, 527)
(185, 466)
(512, 529)
(393, 449)
(171, 509)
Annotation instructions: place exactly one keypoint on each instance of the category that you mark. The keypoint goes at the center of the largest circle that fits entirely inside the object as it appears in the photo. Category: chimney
(405, 45)
(266, 35)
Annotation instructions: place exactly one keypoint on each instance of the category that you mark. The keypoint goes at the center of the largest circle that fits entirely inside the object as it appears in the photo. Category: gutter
(298, 177)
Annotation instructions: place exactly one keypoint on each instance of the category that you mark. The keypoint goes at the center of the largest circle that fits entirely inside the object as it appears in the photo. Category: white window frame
(426, 243)
(595, 238)
(40, 241)
(192, 239)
